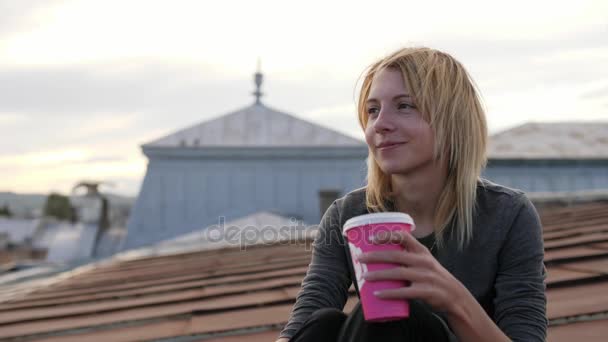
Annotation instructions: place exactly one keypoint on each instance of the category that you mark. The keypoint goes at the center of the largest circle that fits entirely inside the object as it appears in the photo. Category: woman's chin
(392, 169)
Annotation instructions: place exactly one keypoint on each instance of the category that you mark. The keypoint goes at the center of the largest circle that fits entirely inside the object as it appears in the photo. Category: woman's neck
(417, 194)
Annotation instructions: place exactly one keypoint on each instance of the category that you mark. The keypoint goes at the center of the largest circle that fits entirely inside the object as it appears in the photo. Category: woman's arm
(328, 278)
(520, 301)
(470, 322)
(433, 284)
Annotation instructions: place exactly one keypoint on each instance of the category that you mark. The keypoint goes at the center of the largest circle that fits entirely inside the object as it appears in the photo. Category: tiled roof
(576, 256)
(256, 126)
(234, 295)
(551, 140)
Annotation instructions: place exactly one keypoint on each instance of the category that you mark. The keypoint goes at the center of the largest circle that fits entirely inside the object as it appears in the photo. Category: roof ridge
(260, 125)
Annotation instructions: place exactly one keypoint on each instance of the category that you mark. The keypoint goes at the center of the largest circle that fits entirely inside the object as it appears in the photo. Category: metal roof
(551, 140)
(18, 230)
(255, 229)
(256, 126)
(230, 294)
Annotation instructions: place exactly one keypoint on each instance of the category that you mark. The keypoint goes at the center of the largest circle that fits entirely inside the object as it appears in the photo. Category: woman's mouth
(389, 146)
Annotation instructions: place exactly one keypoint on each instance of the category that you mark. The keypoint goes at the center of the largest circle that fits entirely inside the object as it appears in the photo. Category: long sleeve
(327, 280)
(520, 302)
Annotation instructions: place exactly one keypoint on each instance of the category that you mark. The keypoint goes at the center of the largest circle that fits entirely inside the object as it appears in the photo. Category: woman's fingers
(410, 292)
(396, 257)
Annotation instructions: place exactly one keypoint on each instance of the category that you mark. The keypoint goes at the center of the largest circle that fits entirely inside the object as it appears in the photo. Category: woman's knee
(329, 317)
(323, 325)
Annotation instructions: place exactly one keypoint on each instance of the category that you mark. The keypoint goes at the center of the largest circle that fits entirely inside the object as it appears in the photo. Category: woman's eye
(406, 106)
(372, 111)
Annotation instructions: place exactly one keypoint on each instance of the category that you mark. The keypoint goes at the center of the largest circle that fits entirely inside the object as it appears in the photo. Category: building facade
(251, 160)
(551, 157)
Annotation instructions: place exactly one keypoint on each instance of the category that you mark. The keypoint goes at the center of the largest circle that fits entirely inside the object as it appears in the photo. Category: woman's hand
(434, 285)
(430, 282)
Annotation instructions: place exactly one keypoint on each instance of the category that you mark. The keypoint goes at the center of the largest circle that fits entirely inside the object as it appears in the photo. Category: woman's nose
(383, 122)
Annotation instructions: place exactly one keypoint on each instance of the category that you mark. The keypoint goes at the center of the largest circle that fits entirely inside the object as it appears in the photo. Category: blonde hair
(449, 101)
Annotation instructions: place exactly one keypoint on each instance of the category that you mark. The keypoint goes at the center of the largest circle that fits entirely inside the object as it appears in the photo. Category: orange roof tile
(230, 294)
(595, 330)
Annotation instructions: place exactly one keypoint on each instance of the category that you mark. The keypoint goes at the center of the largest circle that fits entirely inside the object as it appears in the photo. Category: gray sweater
(502, 266)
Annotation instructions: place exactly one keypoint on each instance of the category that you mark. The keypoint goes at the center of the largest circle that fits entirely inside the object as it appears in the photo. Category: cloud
(72, 90)
(158, 86)
(47, 158)
(70, 105)
(343, 33)
(104, 125)
(126, 176)
(499, 64)
(16, 16)
(598, 93)
(70, 82)
(101, 159)
(7, 119)
(60, 169)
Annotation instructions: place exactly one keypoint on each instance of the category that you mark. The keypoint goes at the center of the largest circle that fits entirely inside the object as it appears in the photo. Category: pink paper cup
(358, 231)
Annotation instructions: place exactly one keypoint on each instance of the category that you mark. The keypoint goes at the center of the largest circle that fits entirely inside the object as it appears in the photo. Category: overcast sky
(84, 83)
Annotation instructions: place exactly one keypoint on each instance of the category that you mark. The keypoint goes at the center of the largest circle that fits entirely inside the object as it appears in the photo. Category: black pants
(333, 325)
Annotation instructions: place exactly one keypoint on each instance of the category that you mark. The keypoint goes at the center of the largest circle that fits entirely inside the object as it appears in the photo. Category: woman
(475, 260)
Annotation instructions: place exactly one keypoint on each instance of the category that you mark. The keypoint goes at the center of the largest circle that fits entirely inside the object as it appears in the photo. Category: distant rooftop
(256, 126)
(557, 140)
(258, 228)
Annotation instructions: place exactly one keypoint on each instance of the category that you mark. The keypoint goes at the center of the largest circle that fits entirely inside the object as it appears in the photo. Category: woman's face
(400, 140)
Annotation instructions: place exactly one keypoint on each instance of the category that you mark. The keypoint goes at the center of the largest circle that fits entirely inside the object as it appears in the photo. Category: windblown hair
(449, 101)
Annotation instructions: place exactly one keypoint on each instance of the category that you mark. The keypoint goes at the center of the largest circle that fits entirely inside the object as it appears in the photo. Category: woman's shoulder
(355, 195)
(352, 204)
(489, 186)
(490, 193)
(498, 204)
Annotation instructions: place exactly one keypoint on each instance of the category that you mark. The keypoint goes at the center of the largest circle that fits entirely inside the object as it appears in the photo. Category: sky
(84, 83)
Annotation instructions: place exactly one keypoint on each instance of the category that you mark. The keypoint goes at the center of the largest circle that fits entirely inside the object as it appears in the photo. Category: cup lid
(386, 217)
